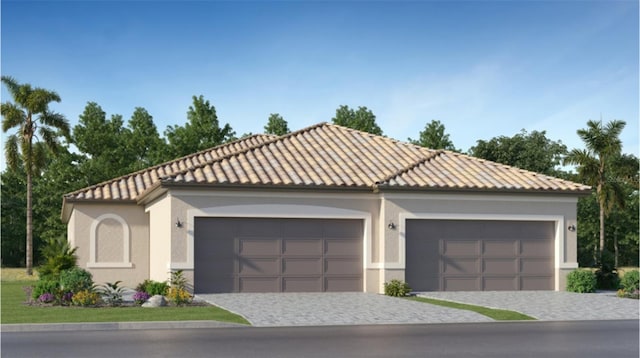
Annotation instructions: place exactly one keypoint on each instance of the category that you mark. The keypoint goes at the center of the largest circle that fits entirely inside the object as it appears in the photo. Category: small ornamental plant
(86, 298)
(140, 297)
(47, 298)
(66, 298)
(396, 288)
(178, 296)
(581, 281)
(630, 285)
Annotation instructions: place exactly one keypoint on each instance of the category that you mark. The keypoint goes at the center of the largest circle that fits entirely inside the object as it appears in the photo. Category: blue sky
(482, 68)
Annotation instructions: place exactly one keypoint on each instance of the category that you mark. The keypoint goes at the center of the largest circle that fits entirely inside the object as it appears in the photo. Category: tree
(143, 141)
(531, 151)
(362, 119)
(434, 137)
(38, 129)
(595, 167)
(202, 130)
(103, 143)
(14, 203)
(276, 125)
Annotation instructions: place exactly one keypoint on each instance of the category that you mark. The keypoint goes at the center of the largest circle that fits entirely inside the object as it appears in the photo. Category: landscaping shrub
(46, 298)
(75, 280)
(140, 297)
(178, 296)
(86, 298)
(58, 256)
(630, 284)
(607, 278)
(153, 287)
(581, 281)
(112, 293)
(178, 280)
(45, 286)
(396, 288)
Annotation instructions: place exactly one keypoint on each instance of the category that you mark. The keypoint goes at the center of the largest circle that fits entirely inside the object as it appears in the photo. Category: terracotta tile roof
(130, 186)
(327, 155)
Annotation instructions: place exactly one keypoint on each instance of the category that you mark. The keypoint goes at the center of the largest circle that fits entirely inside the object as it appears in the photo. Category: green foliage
(607, 278)
(85, 298)
(396, 288)
(153, 287)
(531, 151)
(14, 212)
(143, 141)
(202, 131)
(434, 137)
(178, 280)
(581, 281)
(276, 125)
(75, 280)
(45, 286)
(363, 119)
(112, 293)
(630, 282)
(58, 256)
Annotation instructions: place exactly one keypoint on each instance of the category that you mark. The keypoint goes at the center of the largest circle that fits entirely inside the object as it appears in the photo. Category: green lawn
(15, 311)
(498, 315)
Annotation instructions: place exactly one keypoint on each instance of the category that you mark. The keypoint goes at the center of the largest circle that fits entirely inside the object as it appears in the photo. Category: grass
(498, 315)
(15, 311)
(17, 274)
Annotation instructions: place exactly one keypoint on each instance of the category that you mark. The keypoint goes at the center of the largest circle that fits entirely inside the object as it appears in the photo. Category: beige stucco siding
(112, 241)
(161, 230)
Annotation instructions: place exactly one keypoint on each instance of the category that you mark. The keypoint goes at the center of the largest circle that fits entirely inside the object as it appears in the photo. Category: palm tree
(38, 130)
(595, 166)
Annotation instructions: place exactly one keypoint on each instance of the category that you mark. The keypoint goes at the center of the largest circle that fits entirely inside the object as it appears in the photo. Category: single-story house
(328, 208)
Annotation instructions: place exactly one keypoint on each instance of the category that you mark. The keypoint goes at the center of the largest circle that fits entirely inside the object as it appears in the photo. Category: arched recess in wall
(125, 259)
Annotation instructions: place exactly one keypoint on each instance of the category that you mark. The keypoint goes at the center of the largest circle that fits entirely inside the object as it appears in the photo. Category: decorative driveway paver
(549, 305)
(343, 308)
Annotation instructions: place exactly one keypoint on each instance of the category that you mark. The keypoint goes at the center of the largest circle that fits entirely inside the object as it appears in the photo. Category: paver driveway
(344, 308)
(549, 305)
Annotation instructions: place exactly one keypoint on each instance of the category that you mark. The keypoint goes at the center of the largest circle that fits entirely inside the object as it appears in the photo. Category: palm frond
(11, 152)
(56, 120)
(12, 85)
(39, 99)
(13, 115)
(49, 138)
(38, 157)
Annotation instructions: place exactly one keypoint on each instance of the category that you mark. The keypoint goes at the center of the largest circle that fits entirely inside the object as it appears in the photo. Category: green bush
(396, 288)
(58, 256)
(607, 278)
(153, 287)
(112, 293)
(75, 280)
(581, 281)
(630, 282)
(178, 280)
(45, 286)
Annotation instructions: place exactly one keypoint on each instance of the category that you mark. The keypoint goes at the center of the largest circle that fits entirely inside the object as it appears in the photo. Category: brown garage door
(277, 255)
(482, 255)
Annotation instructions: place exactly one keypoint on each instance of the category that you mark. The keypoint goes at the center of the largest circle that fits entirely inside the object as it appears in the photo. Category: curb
(114, 326)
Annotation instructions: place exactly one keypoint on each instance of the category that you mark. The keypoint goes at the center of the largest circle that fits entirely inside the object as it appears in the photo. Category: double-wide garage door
(277, 255)
(481, 255)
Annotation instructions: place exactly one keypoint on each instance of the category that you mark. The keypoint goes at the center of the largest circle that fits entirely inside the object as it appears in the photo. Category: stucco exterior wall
(161, 230)
(112, 241)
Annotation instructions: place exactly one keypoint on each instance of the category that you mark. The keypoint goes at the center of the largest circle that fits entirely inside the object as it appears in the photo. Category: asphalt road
(519, 339)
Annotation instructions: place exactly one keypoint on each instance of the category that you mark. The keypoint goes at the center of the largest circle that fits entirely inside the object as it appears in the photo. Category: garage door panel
(259, 284)
(343, 284)
(343, 266)
(460, 265)
(301, 266)
(302, 228)
(252, 266)
(535, 283)
(262, 246)
(461, 283)
(256, 227)
(536, 266)
(302, 284)
(342, 229)
(462, 247)
(499, 283)
(291, 247)
(499, 248)
(499, 266)
(341, 247)
(535, 248)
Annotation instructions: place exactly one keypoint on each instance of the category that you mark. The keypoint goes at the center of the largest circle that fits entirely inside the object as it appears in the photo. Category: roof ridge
(435, 153)
(169, 162)
(246, 150)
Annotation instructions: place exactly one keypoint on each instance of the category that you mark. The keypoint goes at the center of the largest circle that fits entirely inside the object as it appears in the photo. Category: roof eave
(571, 192)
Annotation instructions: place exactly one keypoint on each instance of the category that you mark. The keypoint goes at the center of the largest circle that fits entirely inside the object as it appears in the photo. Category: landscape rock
(155, 301)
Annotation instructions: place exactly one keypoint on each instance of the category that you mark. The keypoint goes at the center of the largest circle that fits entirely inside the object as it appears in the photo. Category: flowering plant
(140, 297)
(46, 298)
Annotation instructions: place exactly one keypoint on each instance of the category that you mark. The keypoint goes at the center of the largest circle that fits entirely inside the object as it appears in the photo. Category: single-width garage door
(479, 255)
(277, 255)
